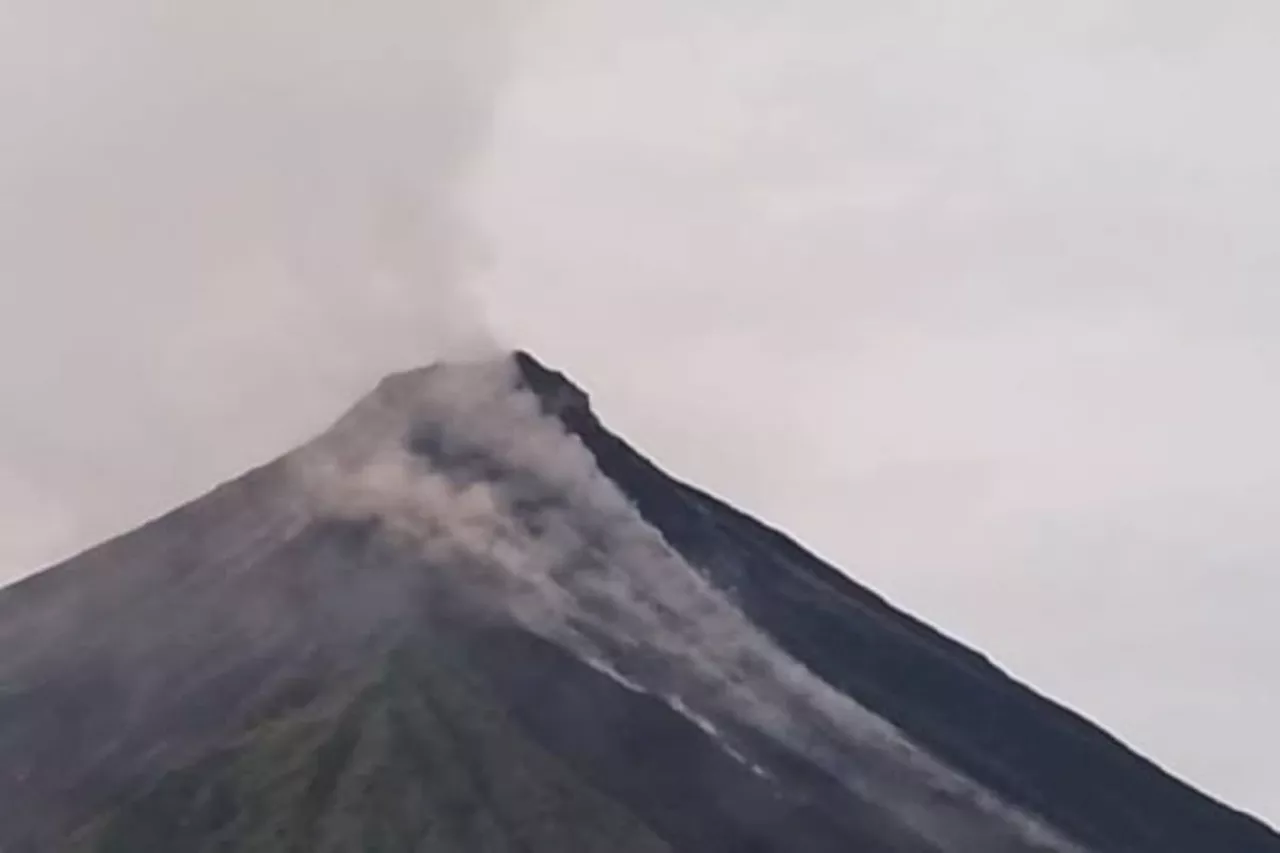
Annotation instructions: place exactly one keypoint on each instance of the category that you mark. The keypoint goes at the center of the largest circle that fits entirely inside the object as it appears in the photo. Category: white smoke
(504, 490)
(219, 221)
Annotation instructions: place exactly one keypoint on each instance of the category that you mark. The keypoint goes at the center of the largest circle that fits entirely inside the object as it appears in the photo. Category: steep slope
(1027, 749)
(469, 618)
(415, 758)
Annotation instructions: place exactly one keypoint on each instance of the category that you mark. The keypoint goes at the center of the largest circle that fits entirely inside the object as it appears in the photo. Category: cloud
(959, 294)
(221, 220)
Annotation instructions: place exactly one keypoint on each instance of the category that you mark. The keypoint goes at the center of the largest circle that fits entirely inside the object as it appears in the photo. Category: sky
(972, 298)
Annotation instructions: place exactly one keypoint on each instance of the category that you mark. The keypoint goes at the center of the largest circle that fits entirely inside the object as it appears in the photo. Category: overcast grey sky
(975, 298)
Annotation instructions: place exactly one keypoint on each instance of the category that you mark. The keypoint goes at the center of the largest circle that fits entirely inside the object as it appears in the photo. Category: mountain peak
(514, 370)
(469, 617)
(560, 397)
(460, 390)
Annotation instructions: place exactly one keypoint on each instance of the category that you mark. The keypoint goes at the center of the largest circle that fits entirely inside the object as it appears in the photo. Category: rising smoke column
(220, 220)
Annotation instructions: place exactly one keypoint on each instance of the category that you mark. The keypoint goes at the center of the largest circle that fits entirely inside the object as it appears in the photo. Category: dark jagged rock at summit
(469, 618)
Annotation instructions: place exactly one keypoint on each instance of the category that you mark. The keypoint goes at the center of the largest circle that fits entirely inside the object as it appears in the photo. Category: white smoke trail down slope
(558, 545)
(221, 207)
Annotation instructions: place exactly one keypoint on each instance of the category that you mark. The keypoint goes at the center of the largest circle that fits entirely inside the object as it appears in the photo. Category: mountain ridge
(583, 423)
(287, 597)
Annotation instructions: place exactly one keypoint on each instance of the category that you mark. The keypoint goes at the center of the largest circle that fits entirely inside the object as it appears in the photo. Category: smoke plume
(462, 462)
(221, 208)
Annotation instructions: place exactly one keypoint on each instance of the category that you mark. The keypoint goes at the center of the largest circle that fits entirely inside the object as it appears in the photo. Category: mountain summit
(470, 618)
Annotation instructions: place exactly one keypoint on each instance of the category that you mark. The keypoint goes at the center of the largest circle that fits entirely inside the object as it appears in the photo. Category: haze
(975, 299)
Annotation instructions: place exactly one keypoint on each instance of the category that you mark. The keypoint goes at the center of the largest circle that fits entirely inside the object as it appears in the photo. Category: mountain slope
(469, 618)
(944, 695)
(416, 757)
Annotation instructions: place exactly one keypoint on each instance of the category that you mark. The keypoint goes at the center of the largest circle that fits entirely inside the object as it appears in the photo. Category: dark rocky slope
(268, 670)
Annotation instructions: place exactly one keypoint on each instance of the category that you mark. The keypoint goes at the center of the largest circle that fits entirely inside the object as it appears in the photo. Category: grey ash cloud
(219, 222)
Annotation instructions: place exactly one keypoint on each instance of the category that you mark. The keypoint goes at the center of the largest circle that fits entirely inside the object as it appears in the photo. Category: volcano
(470, 618)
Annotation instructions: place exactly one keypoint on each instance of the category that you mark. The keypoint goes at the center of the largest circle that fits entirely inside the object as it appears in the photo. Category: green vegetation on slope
(420, 759)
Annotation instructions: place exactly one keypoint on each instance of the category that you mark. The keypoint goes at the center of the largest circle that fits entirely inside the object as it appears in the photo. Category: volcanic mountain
(469, 618)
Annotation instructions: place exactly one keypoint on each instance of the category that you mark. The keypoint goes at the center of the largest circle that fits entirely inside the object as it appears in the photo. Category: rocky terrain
(470, 618)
